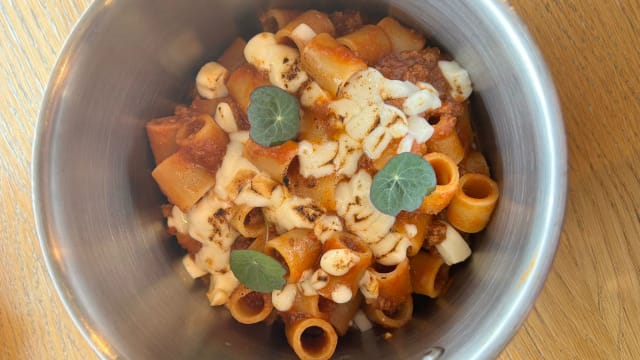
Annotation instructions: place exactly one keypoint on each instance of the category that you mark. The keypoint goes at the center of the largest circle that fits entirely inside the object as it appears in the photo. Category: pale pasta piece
(317, 21)
(329, 63)
(182, 181)
(473, 203)
(233, 56)
(342, 314)
(275, 19)
(162, 136)
(370, 43)
(401, 37)
(454, 249)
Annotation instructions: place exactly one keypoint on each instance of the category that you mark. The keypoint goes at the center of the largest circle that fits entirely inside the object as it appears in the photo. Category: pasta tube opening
(312, 339)
(393, 319)
(248, 306)
(447, 176)
(473, 204)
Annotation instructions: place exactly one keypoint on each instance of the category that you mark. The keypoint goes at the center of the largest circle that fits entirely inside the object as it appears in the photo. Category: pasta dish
(325, 173)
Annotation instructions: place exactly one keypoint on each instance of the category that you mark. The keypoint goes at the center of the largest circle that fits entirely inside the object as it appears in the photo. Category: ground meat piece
(436, 233)
(190, 244)
(414, 66)
(396, 102)
(346, 22)
(242, 243)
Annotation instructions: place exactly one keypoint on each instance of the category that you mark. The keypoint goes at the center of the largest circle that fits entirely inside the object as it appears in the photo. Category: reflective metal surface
(98, 209)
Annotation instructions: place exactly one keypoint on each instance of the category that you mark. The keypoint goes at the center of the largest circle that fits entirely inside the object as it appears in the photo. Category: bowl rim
(537, 73)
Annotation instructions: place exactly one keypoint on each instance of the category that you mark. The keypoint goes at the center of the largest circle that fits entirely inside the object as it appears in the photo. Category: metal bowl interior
(98, 209)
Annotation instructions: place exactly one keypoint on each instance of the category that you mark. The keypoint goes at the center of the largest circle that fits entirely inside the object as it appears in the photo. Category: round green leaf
(274, 115)
(402, 184)
(257, 271)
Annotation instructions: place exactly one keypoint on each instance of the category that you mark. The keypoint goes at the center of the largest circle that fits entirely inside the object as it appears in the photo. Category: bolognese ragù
(325, 171)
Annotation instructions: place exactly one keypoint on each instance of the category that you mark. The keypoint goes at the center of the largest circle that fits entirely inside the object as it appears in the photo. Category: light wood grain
(590, 306)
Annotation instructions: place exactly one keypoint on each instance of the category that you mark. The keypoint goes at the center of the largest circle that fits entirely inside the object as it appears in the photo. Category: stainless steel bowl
(97, 207)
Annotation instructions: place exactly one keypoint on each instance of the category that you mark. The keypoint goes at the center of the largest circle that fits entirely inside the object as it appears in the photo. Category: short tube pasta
(344, 240)
(248, 306)
(162, 136)
(233, 56)
(318, 21)
(182, 181)
(370, 43)
(330, 63)
(299, 250)
(447, 175)
(429, 274)
(402, 38)
(391, 319)
(275, 19)
(342, 314)
(312, 338)
(273, 160)
(449, 145)
(247, 220)
(473, 203)
(242, 81)
(394, 287)
(203, 141)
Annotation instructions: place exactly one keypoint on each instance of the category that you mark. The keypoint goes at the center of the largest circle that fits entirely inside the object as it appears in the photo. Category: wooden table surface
(590, 305)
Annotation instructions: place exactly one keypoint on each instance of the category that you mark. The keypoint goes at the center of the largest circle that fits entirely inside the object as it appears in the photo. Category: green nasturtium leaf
(402, 184)
(257, 271)
(274, 115)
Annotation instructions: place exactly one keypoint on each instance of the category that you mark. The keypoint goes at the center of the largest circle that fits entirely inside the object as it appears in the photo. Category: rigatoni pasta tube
(474, 162)
(429, 274)
(299, 249)
(233, 56)
(342, 314)
(311, 338)
(182, 181)
(162, 136)
(348, 244)
(447, 176)
(448, 144)
(391, 319)
(473, 203)
(248, 306)
(402, 38)
(275, 19)
(274, 160)
(247, 220)
(394, 287)
(203, 141)
(321, 190)
(370, 43)
(318, 21)
(330, 63)
(243, 81)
